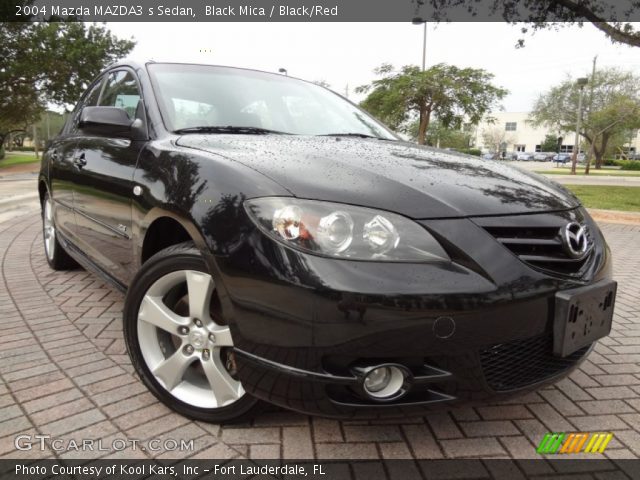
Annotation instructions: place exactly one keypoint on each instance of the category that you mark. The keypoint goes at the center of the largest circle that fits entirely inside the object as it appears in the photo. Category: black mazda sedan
(276, 243)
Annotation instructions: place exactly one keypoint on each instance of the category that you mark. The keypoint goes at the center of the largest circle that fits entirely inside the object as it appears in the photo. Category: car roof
(142, 64)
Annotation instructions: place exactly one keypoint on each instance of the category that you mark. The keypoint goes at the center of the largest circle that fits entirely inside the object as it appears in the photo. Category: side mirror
(107, 121)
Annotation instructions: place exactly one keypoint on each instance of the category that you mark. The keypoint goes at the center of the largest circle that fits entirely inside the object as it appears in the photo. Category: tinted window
(88, 100)
(121, 90)
(202, 96)
(94, 95)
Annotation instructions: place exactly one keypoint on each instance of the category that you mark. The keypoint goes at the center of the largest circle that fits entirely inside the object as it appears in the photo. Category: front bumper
(478, 328)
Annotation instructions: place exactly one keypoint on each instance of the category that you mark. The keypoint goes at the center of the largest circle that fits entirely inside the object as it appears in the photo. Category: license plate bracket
(582, 316)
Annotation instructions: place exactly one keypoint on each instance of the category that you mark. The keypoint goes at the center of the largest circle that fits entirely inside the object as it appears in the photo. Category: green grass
(11, 159)
(607, 197)
(592, 171)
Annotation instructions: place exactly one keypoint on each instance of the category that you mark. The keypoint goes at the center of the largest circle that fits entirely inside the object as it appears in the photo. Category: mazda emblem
(575, 240)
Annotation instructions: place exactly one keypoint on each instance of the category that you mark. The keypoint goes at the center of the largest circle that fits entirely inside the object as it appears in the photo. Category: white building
(519, 135)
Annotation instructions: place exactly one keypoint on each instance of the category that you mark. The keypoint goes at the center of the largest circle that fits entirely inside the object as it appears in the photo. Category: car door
(62, 170)
(103, 194)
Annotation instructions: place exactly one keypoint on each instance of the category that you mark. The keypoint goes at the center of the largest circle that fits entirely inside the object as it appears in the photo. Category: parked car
(524, 156)
(491, 156)
(543, 156)
(562, 157)
(276, 243)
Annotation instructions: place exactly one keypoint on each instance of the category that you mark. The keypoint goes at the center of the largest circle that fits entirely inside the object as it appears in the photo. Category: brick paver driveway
(64, 372)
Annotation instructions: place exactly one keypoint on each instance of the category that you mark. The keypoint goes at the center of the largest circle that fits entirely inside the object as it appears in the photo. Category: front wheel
(178, 340)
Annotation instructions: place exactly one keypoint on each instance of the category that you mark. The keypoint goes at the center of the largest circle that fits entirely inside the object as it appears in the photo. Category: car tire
(57, 257)
(179, 342)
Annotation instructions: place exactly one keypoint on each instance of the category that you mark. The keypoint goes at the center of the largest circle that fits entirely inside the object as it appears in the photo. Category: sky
(345, 54)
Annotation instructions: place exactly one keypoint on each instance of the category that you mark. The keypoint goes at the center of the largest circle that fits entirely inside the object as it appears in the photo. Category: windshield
(192, 96)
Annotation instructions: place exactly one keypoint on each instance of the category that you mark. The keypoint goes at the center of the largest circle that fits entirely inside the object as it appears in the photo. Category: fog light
(383, 382)
(377, 379)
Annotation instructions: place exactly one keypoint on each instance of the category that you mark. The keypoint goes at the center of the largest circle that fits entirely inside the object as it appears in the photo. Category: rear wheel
(178, 340)
(57, 258)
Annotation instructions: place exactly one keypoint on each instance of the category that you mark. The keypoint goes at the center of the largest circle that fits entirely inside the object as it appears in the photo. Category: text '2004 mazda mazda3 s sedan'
(276, 243)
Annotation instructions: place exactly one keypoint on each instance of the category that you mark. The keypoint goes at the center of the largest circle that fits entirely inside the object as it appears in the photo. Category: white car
(543, 156)
(524, 156)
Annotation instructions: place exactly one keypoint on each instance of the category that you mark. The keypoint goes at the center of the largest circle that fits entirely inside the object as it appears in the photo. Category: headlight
(344, 231)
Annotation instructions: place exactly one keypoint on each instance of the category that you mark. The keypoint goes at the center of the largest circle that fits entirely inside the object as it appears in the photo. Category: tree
(49, 63)
(322, 83)
(613, 108)
(441, 136)
(450, 93)
(550, 143)
(494, 137)
(613, 18)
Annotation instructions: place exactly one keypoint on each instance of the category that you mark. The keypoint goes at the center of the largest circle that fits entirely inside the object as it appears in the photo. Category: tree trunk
(425, 115)
(603, 149)
(589, 156)
(35, 141)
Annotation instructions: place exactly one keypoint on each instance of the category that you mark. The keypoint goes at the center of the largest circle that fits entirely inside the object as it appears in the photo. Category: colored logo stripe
(550, 443)
(598, 442)
(573, 443)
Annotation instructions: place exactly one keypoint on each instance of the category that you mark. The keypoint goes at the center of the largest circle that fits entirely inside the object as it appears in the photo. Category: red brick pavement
(64, 372)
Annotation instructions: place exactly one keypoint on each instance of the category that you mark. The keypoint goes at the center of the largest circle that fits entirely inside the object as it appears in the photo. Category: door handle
(80, 161)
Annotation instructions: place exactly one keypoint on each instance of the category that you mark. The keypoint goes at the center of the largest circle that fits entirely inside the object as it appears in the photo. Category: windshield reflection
(196, 96)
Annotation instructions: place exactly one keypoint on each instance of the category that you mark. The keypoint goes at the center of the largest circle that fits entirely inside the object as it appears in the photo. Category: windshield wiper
(349, 134)
(226, 129)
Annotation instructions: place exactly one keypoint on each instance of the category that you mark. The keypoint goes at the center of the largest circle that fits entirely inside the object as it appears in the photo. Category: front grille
(516, 364)
(540, 247)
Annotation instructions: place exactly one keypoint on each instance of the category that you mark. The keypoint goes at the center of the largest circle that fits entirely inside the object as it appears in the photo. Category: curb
(604, 180)
(17, 200)
(615, 216)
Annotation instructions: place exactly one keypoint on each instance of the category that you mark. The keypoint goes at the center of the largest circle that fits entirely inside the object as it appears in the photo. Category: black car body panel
(418, 182)
(299, 320)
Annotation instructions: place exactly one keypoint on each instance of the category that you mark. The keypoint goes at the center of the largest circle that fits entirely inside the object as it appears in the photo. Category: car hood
(416, 181)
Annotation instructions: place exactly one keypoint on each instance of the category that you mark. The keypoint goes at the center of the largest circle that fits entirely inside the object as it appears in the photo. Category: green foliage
(469, 151)
(549, 144)
(611, 112)
(628, 164)
(438, 135)
(22, 149)
(451, 94)
(543, 14)
(11, 160)
(50, 63)
(607, 197)
(48, 126)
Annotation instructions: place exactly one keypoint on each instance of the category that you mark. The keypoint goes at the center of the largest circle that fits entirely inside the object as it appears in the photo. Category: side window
(121, 90)
(94, 95)
(88, 100)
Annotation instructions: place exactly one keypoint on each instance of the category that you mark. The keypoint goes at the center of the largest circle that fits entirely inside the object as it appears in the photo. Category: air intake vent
(540, 247)
(520, 363)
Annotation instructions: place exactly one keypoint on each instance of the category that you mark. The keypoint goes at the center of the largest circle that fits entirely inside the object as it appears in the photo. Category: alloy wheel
(185, 345)
(49, 230)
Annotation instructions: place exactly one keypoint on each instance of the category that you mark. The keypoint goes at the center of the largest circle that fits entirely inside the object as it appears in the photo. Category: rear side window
(121, 90)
